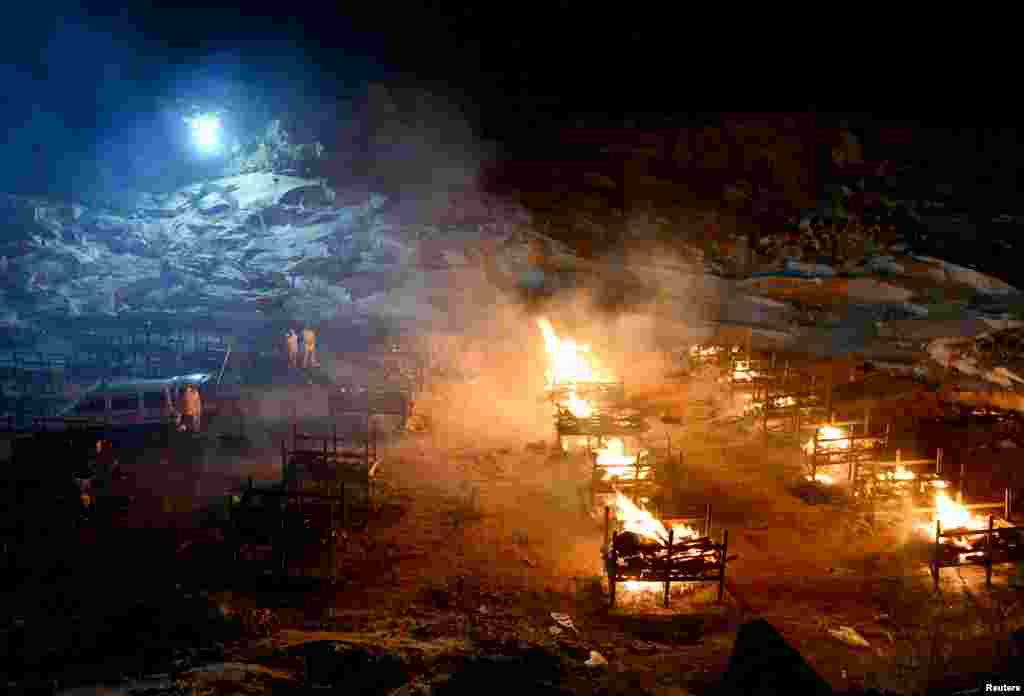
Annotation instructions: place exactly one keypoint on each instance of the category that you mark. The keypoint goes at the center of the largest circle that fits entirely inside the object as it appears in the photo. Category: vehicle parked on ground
(139, 405)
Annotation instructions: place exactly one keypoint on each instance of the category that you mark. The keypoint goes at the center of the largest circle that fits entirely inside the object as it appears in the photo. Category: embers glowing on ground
(639, 521)
(616, 463)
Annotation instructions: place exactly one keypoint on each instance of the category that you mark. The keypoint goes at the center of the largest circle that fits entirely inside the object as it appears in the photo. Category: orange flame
(616, 463)
(645, 524)
(830, 437)
(570, 362)
(951, 515)
(898, 474)
(579, 407)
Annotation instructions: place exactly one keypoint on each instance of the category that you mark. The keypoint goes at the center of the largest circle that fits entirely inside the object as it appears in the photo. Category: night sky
(95, 78)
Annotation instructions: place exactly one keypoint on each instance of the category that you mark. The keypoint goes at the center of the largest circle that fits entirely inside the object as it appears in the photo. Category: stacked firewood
(639, 556)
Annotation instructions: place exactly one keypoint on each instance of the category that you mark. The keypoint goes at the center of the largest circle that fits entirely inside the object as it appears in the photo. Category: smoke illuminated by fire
(643, 523)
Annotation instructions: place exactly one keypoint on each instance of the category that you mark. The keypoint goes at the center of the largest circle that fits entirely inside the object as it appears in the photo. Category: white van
(127, 402)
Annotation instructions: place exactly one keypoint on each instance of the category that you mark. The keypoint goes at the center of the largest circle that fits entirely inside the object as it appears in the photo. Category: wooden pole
(935, 555)
(668, 563)
(988, 554)
(613, 569)
(831, 370)
(721, 572)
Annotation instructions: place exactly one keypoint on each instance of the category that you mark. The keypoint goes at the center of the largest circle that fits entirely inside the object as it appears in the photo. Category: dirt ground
(484, 538)
(481, 532)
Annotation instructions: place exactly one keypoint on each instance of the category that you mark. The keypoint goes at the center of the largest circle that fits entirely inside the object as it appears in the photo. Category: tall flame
(645, 524)
(570, 362)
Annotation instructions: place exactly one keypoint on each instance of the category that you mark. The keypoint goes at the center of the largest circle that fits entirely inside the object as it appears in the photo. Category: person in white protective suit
(292, 344)
(309, 343)
(191, 409)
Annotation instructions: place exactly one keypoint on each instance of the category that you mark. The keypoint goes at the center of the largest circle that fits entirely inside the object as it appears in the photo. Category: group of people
(308, 358)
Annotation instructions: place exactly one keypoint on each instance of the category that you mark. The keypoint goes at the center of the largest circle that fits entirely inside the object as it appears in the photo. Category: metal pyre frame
(786, 399)
(326, 487)
(318, 465)
(367, 402)
(610, 417)
(630, 558)
(884, 482)
(637, 481)
(600, 392)
(983, 547)
(703, 355)
(860, 446)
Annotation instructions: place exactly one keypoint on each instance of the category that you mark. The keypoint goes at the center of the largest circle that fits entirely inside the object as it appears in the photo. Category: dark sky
(87, 80)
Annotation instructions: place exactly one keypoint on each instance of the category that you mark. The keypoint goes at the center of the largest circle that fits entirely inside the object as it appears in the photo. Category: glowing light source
(206, 132)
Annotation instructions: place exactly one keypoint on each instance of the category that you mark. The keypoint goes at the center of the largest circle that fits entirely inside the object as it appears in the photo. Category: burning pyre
(570, 365)
(644, 525)
(743, 372)
(641, 551)
(954, 517)
(830, 438)
(616, 464)
(753, 405)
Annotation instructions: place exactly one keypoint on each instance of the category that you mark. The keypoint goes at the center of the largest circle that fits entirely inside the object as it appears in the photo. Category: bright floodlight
(206, 132)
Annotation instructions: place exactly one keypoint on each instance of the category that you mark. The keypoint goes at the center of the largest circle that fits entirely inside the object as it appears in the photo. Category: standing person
(309, 343)
(292, 342)
(192, 408)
